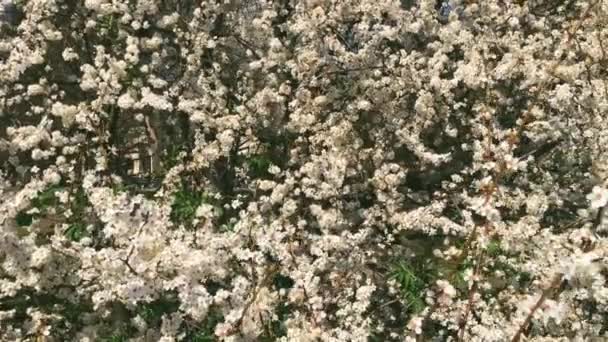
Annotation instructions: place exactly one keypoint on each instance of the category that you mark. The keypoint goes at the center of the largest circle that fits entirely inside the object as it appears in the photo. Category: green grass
(185, 204)
(78, 205)
(412, 282)
(170, 157)
(258, 165)
(116, 337)
(109, 27)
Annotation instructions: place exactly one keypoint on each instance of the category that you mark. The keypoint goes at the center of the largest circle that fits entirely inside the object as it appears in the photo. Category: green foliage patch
(153, 312)
(185, 203)
(205, 332)
(47, 204)
(413, 279)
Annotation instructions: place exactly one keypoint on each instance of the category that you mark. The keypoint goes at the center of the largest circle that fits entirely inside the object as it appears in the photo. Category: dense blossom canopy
(303, 170)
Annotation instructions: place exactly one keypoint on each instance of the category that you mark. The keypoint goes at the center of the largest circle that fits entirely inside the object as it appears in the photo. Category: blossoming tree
(314, 170)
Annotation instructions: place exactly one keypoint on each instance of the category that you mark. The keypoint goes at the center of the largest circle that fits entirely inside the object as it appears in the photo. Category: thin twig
(467, 313)
(554, 283)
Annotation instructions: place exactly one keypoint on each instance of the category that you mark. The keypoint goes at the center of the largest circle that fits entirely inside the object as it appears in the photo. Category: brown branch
(599, 218)
(461, 257)
(554, 283)
(467, 313)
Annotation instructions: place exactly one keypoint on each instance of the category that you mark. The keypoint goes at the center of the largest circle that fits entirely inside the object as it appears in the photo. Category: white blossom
(598, 197)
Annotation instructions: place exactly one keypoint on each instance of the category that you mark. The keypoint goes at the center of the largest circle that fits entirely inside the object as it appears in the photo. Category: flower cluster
(310, 170)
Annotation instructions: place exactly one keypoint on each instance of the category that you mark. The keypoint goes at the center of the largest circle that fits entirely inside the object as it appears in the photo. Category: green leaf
(117, 337)
(185, 205)
(258, 165)
(76, 231)
(412, 285)
(46, 198)
(494, 248)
